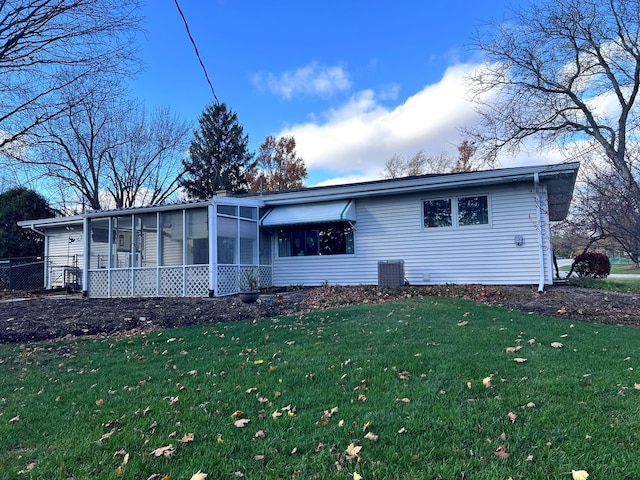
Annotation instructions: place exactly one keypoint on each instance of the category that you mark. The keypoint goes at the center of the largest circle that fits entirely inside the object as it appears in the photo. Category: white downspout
(536, 182)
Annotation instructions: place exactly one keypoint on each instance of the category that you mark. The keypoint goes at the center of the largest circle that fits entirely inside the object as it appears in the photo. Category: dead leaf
(362, 398)
(404, 375)
(276, 414)
(251, 390)
(512, 416)
(260, 434)
(519, 360)
(513, 349)
(556, 345)
(164, 451)
(403, 400)
(357, 476)
(99, 402)
(241, 423)
(579, 474)
(402, 430)
(198, 476)
(486, 381)
(237, 414)
(371, 436)
(464, 323)
(531, 405)
(529, 458)
(353, 450)
(501, 452)
(14, 419)
(187, 438)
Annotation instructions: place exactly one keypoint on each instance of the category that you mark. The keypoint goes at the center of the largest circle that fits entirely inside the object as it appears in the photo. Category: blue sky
(354, 82)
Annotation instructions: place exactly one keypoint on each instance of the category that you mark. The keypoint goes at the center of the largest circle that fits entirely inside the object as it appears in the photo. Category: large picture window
(316, 239)
(456, 211)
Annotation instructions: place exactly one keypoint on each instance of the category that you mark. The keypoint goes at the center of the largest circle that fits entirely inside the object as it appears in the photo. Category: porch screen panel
(122, 237)
(248, 242)
(197, 237)
(171, 240)
(227, 240)
(265, 248)
(99, 246)
(146, 239)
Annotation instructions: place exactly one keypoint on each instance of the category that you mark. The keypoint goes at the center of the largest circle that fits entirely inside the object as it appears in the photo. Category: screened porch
(194, 250)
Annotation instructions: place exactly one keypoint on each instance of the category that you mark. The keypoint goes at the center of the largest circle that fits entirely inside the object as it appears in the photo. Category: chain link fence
(27, 274)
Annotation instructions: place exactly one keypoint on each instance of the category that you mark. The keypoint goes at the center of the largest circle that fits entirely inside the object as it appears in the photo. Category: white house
(486, 227)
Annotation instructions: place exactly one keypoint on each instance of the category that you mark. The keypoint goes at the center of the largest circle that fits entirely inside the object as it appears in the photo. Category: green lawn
(402, 381)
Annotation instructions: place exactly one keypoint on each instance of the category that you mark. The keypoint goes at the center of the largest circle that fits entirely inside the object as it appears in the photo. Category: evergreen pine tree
(218, 156)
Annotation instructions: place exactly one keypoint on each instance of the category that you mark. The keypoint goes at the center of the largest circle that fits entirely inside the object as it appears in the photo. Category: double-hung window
(457, 211)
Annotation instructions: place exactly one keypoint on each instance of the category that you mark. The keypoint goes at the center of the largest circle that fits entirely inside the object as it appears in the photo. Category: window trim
(313, 227)
(455, 213)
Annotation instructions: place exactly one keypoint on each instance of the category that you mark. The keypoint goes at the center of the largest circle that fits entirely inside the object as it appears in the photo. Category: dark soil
(42, 317)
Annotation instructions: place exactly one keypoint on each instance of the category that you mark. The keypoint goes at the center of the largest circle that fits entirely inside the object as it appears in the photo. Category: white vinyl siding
(63, 252)
(391, 228)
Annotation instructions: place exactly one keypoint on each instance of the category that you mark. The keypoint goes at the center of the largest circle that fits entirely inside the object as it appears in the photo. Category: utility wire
(195, 47)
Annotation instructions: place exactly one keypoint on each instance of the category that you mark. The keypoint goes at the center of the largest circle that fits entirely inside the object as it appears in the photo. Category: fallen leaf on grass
(357, 476)
(519, 360)
(464, 323)
(556, 345)
(14, 419)
(260, 434)
(353, 450)
(513, 349)
(486, 381)
(241, 423)
(237, 414)
(501, 452)
(636, 386)
(371, 436)
(164, 451)
(579, 474)
(187, 438)
(404, 375)
(276, 414)
(403, 400)
(512, 416)
(198, 476)
(402, 430)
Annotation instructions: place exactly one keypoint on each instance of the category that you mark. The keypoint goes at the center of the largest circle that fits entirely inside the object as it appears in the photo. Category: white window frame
(453, 199)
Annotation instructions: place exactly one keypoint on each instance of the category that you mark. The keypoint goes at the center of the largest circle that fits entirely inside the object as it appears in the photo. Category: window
(437, 213)
(317, 239)
(473, 210)
(470, 210)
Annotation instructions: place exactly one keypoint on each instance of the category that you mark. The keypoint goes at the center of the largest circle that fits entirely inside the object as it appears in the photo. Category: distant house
(486, 227)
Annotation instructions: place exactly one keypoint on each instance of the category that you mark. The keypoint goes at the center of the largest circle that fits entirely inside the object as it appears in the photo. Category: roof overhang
(559, 180)
(321, 212)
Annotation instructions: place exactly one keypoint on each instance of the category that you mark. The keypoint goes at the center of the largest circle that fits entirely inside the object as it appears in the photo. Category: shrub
(592, 265)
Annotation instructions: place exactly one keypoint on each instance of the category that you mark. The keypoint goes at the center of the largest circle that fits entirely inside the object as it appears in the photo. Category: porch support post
(86, 239)
(213, 250)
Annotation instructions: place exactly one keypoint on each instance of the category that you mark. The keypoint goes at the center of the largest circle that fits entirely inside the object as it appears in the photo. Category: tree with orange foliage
(278, 166)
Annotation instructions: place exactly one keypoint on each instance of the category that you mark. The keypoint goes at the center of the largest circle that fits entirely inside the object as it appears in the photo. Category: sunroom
(194, 249)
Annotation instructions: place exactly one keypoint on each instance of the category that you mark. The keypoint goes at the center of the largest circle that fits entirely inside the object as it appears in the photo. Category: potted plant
(249, 292)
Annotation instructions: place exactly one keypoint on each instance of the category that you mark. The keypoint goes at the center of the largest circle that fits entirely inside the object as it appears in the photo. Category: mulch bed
(40, 317)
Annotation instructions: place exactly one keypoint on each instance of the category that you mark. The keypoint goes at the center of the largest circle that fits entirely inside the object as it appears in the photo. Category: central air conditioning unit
(390, 273)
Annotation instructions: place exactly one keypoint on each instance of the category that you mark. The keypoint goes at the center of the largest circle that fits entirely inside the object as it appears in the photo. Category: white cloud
(312, 79)
(357, 138)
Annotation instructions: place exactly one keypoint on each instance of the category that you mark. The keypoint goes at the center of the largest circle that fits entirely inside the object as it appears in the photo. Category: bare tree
(420, 164)
(48, 46)
(109, 152)
(563, 71)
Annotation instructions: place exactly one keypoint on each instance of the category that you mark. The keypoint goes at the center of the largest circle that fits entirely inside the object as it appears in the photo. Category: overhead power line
(195, 47)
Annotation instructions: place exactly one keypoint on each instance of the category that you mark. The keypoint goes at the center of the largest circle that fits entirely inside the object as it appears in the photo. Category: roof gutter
(536, 182)
(34, 229)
